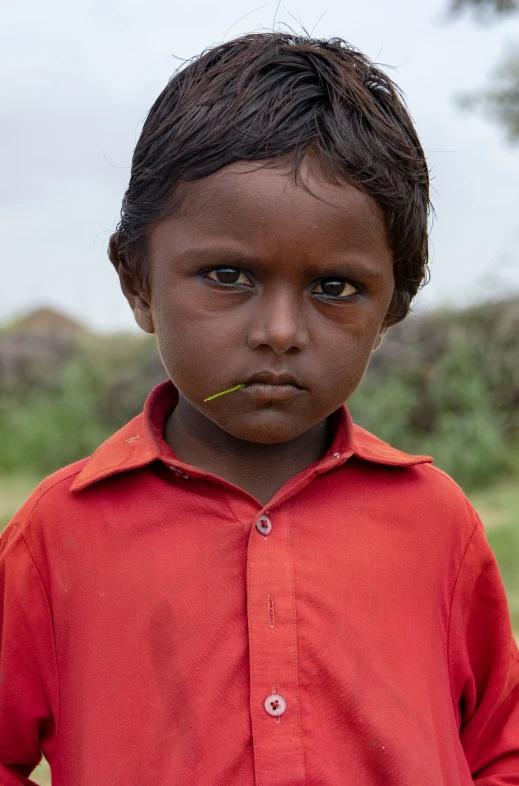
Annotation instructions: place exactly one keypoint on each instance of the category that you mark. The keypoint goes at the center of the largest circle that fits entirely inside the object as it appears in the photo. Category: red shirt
(153, 611)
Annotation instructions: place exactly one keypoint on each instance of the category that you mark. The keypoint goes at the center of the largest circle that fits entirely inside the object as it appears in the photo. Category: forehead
(267, 207)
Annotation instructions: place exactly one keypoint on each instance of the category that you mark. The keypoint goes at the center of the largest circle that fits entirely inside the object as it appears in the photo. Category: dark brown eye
(336, 288)
(228, 275)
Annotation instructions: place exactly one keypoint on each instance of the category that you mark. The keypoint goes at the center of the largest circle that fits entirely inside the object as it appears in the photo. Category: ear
(132, 290)
(379, 339)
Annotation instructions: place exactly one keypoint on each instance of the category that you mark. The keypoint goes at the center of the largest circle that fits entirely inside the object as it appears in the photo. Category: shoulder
(55, 494)
(54, 508)
(51, 494)
(412, 486)
(47, 502)
(448, 500)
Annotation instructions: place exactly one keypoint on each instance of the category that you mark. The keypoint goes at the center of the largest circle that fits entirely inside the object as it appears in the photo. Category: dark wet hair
(272, 96)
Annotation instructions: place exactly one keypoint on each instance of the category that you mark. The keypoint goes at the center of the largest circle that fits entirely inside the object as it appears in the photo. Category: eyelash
(322, 295)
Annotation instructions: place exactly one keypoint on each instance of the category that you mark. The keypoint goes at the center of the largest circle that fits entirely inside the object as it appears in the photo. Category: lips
(267, 387)
(268, 378)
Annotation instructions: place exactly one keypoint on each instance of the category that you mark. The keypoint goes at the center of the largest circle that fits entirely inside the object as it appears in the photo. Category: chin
(268, 433)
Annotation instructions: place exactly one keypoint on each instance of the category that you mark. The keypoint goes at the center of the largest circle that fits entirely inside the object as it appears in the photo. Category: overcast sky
(78, 79)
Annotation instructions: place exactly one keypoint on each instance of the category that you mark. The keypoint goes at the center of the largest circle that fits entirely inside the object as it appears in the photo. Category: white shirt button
(264, 525)
(275, 705)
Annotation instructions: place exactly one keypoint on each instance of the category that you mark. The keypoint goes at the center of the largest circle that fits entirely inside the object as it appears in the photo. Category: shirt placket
(274, 693)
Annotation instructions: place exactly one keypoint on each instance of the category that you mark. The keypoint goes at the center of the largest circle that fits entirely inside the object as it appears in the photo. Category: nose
(279, 323)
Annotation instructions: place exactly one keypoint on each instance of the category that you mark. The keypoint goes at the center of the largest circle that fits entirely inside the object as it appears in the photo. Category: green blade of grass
(224, 392)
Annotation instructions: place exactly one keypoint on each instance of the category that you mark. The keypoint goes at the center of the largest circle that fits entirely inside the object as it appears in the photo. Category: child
(242, 587)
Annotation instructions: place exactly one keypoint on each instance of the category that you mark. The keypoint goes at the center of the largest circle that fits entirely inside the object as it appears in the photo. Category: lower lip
(261, 390)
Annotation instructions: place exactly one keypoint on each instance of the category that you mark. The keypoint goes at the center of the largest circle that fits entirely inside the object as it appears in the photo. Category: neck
(257, 468)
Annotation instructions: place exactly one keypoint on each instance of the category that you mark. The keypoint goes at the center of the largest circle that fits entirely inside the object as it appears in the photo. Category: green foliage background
(448, 386)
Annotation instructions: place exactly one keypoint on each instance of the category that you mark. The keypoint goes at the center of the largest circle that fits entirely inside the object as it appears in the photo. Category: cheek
(190, 337)
(354, 332)
(346, 352)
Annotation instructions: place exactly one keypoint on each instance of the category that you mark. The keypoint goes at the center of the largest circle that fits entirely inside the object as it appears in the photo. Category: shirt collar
(140, 442)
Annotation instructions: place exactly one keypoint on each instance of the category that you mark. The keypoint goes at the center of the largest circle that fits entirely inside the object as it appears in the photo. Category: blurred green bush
(457, 401)
(60, 399)
(445, 383)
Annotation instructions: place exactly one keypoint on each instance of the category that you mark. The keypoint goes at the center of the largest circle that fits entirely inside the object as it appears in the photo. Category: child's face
(280, 250)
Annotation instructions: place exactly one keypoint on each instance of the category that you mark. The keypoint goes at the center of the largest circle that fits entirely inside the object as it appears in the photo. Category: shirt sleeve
(28, 675)
(484, 667)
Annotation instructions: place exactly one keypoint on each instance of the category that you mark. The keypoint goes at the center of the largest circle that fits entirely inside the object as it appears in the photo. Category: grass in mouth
(237, 387)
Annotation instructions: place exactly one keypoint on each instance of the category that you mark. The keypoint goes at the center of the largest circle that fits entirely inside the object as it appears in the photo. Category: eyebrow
(212, 253)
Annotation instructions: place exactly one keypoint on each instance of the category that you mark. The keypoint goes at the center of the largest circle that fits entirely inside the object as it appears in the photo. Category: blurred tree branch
(499, 101)
(484, 8)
